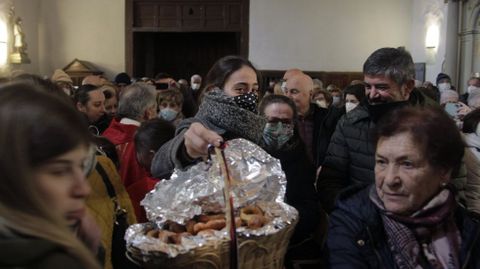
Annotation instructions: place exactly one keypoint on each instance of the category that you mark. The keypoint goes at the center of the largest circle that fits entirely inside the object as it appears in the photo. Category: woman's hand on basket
(197, 140)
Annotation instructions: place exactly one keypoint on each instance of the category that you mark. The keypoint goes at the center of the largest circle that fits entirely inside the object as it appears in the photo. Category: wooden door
(183, 37)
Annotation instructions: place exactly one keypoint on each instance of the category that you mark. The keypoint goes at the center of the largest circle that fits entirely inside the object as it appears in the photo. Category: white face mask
(444, 86)
(284, 86)
(350, 106)
(321, 103)
(471, 89)
(195, 86)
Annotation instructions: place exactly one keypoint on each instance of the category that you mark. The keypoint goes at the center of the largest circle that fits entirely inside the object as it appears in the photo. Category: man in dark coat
(315, 124)
(389, 75)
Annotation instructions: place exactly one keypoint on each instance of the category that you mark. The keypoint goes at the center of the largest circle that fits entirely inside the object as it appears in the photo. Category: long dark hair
(34, 127)
(223, 68)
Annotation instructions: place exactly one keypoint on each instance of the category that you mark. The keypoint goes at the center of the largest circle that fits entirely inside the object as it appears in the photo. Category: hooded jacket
(121, 135)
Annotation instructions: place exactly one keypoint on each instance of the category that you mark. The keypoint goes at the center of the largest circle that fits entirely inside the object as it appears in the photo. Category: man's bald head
(299, 88)
(292, 72)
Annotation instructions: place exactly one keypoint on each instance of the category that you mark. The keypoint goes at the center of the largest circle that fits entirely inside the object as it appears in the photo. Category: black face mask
(377, 111)
(247, 101)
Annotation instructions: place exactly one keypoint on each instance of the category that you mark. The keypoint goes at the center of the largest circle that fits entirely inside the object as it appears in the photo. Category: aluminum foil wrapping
(256, 178)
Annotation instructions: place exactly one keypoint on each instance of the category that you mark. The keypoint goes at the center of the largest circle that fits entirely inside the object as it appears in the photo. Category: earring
(443, 184)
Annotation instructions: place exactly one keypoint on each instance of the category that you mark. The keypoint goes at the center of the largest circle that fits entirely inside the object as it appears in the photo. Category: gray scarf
(221, 114)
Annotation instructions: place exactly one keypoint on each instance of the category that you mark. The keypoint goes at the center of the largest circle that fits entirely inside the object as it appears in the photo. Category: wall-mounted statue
(19, 48)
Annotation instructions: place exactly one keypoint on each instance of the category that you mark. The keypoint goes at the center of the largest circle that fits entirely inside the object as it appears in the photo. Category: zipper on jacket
(373, 244)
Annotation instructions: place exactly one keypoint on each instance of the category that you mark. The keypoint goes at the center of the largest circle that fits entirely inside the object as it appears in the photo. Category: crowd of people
(384, 173)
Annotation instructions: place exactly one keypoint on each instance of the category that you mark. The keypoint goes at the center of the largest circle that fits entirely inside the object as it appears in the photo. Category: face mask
(277, 134)
(195, 86)
(321, 103)
(336, 100)
(444, 86)
(247, 101)
(350, 106)
(471, 89)
(167, 114)
(377, 111)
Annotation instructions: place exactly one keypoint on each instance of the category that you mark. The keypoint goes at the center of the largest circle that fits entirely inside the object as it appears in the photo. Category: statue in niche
(19, 53)
(18, 36)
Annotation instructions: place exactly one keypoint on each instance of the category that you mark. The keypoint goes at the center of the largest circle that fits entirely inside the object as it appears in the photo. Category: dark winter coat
(357, 238)
(325, 123)
(300, 192)
(23, 252)
(350, 156)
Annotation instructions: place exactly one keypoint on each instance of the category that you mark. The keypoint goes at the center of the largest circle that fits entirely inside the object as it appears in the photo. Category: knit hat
(60, 76)
(122, 78)
(448, 96)
(441, 76)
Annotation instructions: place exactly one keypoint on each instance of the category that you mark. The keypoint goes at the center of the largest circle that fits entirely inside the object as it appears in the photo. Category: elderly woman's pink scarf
(429, 238)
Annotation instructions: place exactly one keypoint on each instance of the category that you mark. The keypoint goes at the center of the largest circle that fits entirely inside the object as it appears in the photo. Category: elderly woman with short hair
(409, 218)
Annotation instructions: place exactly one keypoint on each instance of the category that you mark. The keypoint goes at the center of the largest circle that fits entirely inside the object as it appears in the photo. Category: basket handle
(229, 214)
(127, 254)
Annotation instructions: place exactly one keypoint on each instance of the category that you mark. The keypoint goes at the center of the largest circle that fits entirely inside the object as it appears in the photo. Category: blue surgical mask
(277, 134)
(167, 114)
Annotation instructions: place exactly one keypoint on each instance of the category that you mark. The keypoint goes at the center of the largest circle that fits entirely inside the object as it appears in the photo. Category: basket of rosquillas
(225, 213)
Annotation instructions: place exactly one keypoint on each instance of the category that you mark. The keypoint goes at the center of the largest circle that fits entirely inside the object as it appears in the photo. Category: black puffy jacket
(350, 158)
(357, 239)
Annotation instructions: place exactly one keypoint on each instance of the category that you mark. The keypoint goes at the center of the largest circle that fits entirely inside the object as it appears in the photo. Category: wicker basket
(255, 252)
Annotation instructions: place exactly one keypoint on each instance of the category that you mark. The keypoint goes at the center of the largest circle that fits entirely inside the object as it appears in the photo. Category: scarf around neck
(429, 238)
(221, 114)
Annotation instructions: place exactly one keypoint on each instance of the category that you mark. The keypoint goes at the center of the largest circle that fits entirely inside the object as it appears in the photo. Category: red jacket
(137, 192)
(121, 135)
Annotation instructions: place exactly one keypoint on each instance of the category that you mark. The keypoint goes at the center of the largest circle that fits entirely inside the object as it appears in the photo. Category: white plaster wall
(322, 35)
(325, 35)
(91, 30)
(424, 13)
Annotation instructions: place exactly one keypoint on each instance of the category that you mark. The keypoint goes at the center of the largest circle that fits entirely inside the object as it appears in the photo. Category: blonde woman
(44, 148)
